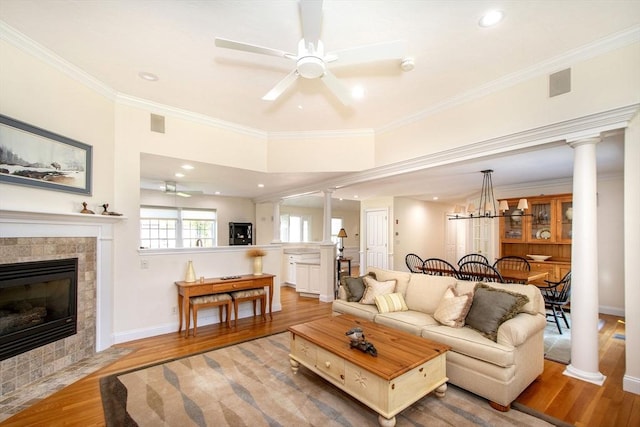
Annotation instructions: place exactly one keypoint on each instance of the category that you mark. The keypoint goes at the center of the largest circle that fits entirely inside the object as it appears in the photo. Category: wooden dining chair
(473, 257)
(480, 272)
(557, 295)
(512, 262)
(438, 267)
(414, 263)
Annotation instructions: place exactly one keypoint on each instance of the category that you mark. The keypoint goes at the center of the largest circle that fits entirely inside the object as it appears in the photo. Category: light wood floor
(574, 401)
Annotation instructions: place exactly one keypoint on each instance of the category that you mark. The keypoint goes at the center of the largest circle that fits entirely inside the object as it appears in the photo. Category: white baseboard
(631, 384)
(136, 334)
(613, 311)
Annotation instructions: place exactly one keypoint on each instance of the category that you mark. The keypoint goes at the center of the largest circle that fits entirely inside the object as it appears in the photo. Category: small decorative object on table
(85, 210)
(358, 341)
(257, 255)
(105, 207)
(190, 277)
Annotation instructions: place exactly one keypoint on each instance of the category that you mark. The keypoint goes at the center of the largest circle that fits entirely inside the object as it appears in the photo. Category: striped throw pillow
(391, 302)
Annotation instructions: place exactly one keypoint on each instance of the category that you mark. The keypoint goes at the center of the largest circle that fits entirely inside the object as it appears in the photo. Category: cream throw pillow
(375, 288)
(391, 302)
(453, 308)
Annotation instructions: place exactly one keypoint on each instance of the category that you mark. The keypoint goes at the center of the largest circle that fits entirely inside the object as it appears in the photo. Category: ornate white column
(276, 221)
(584, 265)
(326, 231)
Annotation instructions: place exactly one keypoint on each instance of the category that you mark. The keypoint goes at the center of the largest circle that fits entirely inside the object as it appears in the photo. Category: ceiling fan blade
(374, 52)
(282, 85)
(311, 17)
(338, 89)
(246, 47)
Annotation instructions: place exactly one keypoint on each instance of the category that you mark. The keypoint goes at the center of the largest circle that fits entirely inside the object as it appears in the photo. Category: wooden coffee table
(406, 369)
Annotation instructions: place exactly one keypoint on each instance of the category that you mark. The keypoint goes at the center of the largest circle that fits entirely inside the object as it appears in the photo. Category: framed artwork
(38, 158)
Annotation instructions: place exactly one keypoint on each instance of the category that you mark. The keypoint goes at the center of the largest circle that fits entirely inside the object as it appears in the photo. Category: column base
(592, 377)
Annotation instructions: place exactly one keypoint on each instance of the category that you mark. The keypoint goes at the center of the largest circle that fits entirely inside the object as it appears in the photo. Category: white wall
(418, 228)
(33, 92)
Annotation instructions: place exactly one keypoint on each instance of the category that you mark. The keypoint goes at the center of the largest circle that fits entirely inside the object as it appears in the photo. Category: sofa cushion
(471, 343)
(375, 288)
(354, 286)
(453, 308)
(534, 306)
(491, 307)
(402, 278)
(408, 321)
(368, 312)
(425, 291)
(390, 302)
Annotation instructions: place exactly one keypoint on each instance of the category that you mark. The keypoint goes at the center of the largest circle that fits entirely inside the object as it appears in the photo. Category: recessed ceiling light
(435, 197)
(491, 18)
(217, 193)
(300, 107)
(150, 77)
(261, 185)
(187, 167)
(179, 175)
(357, 92)
(355, 196)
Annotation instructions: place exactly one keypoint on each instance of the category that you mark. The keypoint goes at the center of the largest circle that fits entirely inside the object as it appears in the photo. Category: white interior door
(377, 238)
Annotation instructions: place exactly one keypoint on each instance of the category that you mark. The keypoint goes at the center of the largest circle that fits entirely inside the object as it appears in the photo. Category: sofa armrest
(519, 329)
(342, 293)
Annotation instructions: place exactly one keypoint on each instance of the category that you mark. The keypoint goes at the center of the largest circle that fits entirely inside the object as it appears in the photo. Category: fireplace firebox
(38, 304)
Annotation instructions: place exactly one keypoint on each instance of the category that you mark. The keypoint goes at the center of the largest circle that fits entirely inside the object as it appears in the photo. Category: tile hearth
(21, 399)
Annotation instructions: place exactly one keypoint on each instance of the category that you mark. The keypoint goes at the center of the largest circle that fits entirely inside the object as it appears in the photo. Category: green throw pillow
(354, 286)
(492, 307)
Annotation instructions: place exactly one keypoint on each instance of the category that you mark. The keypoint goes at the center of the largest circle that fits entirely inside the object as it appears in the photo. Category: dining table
(521, 276)
(508, 275)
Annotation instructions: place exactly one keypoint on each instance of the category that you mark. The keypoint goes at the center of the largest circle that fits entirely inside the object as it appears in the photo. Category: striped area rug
(251, 384)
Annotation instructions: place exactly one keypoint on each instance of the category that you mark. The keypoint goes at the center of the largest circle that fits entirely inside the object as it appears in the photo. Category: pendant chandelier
(488, 207)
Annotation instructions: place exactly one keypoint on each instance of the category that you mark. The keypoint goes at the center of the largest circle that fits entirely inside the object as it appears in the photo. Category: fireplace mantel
(69, 217)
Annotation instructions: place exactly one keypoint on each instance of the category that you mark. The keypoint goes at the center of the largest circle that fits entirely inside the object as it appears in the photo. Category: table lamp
(341, 234)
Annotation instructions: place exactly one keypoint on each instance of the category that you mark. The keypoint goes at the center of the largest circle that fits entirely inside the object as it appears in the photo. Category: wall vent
(157, 123)
(560, 83)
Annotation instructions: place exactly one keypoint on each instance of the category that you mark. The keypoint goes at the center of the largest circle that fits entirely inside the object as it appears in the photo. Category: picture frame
(35, 157)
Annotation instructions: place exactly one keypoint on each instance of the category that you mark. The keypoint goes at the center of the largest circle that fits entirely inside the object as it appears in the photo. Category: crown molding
(327, 134)
(599, 47)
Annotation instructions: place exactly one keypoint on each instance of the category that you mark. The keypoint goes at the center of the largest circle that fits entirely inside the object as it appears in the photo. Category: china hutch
(542, 229)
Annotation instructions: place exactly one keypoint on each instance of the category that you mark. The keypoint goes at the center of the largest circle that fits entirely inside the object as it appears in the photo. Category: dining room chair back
(480, 272)
(514, 263)
(473, 257)
(556, 296)
(414, 263)
(438, 267)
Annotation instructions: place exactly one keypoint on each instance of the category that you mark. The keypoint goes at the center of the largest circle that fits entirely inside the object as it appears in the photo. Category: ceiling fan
(170, 187)
(311, 60)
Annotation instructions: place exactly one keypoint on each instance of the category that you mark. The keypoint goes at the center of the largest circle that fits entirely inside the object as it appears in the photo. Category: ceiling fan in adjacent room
(170, 187)
(311, 62)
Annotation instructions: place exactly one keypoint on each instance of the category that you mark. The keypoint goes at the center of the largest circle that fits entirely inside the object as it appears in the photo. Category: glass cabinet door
(566, 217)
(513, 225)
(541, 225)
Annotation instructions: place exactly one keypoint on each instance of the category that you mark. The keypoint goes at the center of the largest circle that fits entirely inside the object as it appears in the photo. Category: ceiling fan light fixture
(311, 67)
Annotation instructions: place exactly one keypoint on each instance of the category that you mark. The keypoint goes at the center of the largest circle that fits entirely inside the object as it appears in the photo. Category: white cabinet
(295, 258)
(291, 270)
(308, 278)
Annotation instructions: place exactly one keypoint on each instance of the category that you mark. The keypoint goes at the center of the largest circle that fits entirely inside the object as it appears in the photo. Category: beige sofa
(498, 371)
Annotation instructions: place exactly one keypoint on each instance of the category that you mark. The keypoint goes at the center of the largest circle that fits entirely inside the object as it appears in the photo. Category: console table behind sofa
(219, 285)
